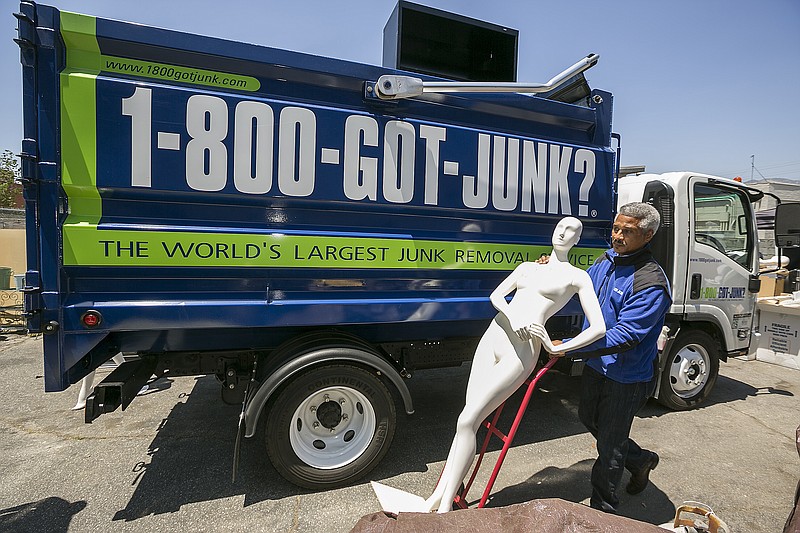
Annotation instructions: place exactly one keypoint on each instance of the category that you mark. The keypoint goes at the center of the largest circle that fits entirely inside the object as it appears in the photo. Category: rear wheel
(690, 371)
(330, 426)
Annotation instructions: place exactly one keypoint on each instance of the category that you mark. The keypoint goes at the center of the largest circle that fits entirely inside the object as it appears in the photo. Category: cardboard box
(772, 284)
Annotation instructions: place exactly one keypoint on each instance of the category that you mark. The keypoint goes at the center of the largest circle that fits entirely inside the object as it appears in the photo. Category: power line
(740, 171)
(789, 164)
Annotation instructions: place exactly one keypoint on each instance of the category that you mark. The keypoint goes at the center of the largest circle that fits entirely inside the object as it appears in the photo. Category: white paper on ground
(395, 501)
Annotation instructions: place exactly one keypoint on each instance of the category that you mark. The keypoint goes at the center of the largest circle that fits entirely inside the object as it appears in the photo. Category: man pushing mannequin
(619, 375)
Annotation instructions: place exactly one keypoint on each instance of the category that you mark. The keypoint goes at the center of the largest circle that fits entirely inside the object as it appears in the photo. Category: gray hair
(648, 216)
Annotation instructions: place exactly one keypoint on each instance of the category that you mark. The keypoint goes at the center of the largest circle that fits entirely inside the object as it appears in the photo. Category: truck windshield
(722, 221)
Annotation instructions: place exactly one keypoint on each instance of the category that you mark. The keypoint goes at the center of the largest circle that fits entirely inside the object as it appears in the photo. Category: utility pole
(752, 165)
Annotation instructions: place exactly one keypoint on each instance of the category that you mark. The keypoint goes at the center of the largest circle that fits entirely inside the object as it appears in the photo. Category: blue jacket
(634, 295)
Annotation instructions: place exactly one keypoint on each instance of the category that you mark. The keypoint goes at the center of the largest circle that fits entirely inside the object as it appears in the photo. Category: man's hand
(558, 354)
(543, 259)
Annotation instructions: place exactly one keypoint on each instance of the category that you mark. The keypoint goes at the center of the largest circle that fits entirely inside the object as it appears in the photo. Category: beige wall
(12, 249)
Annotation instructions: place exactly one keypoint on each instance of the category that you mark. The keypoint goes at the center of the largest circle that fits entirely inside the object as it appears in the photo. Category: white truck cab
(708, 247)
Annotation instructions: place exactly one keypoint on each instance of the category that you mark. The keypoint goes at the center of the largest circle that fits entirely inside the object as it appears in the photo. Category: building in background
(785, 189)
(12, 243)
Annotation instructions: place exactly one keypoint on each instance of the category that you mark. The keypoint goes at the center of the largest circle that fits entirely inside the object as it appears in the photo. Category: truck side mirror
(787, 225)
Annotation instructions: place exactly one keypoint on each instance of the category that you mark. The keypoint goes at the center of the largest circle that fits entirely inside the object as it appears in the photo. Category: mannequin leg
(490, 386)
(88, 380)
(86, 388)
(482, 364)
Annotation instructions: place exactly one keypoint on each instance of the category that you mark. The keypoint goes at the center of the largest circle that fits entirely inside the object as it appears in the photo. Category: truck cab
(708, 247)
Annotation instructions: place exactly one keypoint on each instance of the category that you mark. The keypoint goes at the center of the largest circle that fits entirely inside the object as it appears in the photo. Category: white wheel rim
(688, 371)
(332, 427)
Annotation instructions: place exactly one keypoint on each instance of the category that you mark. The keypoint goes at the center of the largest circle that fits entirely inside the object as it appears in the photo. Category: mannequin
(507, 353)
(86, 384)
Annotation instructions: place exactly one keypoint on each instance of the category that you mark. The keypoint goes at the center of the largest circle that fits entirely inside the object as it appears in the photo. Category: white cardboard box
(778, 341)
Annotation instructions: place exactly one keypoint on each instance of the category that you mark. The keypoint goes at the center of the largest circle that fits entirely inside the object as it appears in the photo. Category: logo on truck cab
(723, 293)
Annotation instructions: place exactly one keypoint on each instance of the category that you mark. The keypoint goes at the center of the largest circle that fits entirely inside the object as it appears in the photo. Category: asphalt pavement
(165, 463)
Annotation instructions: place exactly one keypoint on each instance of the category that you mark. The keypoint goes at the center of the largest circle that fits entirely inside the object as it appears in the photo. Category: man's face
(627, 237)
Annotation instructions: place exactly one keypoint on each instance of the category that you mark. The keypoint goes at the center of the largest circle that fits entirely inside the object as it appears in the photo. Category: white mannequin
(86, 384)
(507, 354)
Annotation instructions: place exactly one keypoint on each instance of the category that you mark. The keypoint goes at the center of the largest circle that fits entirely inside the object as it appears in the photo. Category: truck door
(722, 256)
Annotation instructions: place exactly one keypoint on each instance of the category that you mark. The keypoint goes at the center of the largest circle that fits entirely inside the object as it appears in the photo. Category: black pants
(607, 409)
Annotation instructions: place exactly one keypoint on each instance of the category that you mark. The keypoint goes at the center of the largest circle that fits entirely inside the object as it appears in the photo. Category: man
(619, 375)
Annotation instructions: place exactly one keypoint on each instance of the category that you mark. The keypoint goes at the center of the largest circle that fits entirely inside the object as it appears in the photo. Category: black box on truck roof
(431, 41)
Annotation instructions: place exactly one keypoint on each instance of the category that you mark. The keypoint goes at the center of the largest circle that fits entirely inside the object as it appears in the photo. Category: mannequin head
(567, 234)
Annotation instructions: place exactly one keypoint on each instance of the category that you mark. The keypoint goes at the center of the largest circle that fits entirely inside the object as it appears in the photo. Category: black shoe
(602, 507)
(640, 479)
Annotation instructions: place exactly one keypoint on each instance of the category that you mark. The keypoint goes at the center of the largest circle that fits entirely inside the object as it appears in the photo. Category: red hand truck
(461, 499)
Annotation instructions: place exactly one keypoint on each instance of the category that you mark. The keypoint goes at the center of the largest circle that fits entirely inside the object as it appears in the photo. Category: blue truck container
(213, 207)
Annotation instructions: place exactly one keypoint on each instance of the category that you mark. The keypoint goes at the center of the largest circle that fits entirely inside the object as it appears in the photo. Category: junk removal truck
(312, 231)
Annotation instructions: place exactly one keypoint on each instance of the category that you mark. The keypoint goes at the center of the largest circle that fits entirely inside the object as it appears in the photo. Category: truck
(313, 231)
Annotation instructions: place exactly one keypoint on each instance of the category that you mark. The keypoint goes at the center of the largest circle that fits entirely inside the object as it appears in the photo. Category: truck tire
(330, 426)
(690, 370)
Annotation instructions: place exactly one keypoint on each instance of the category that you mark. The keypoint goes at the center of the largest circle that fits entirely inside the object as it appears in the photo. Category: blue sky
(698, 85)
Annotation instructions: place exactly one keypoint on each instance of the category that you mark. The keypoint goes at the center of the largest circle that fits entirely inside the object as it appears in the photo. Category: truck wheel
(330, 426)
(690, 371)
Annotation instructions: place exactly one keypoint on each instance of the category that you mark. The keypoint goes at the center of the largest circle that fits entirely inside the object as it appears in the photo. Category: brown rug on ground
(550, 515)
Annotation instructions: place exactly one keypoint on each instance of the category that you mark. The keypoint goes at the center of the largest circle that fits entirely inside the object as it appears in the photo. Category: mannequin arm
(498, 299)
(538, 330)
(594, 316)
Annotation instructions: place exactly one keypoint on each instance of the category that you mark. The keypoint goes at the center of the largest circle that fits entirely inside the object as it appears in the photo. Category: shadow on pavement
(725, 390)
(156, 385)
(426, 436)
(50, 514)
(190, 459)
(573, 484)
(728, 390)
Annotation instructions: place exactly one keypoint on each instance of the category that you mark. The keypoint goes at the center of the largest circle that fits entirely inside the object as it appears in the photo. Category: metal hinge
(26, 31)
(31, 291)
(29, 157)
(393, 86)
